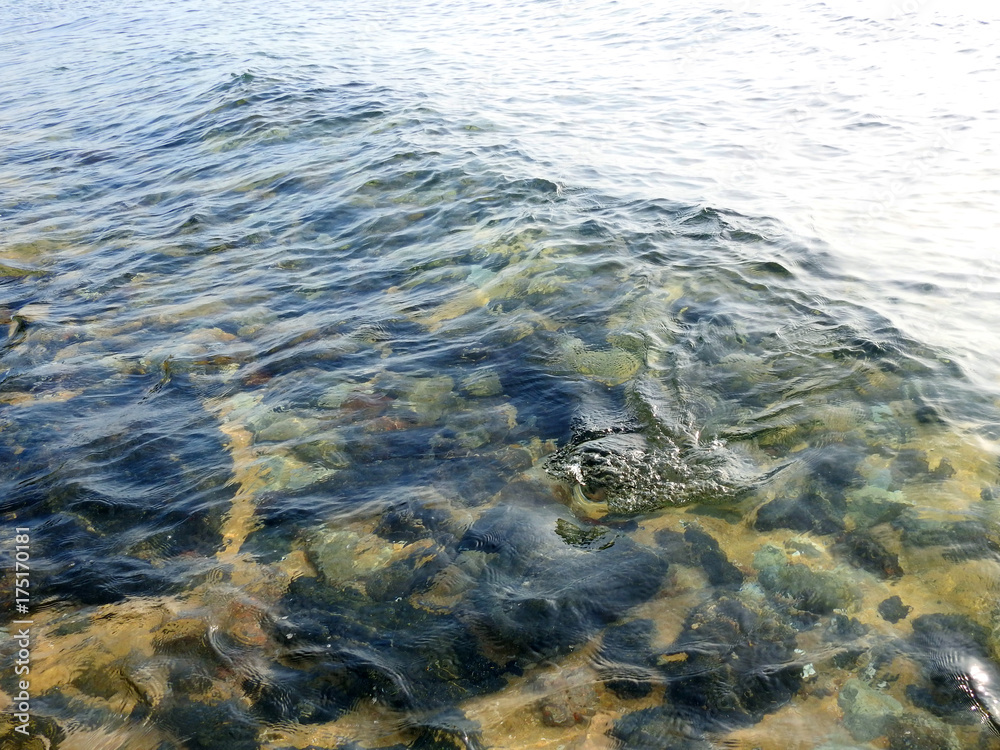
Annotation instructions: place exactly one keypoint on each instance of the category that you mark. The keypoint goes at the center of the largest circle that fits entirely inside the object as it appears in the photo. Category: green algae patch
(16, 272)
(611, 366)
(817, 591)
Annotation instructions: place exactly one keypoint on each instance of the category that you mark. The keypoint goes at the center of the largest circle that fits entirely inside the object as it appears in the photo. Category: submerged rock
(733, 663)
(871, 505)
(288, 428)
(540, 596)
(960, 540)
(609, 366)
(343, 648)
(817, 591)
(893, 610)
(482, 384)
(579, 536)
(865, 551)
(911, 731)
(567, 698)
(631, 473)
(637, 450)
(43, 733)
(694, 547)
(207, 725)
(657, 729)
(718, 569)
(446, 730)
(962, 682)
(867, 712)
(821, 513)
(626, 661)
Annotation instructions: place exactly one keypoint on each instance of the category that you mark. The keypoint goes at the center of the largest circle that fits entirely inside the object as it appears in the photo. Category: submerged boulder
(539, 595)
(626, 661)
(634, 458)
(657, 729)
(733, 663)
(962, 683)
(868, 713)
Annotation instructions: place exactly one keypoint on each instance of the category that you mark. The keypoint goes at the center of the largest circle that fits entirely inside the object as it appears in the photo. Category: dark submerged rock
(412, 573)
(637, 457)
(411, 522)
(737, 664)
(626, 661)
(944, 469)
(446, 730)
(927, 414)
(909, 463)
(343, 647)
(821, 513)
(842, 628)
(206, 726)
(545, 604)
(836, 466)
(694, 547)
(706, 549)
(893, 610)
(865, 551)
(962, 682)
(675, 547)
(657, 729)
(961, 540)
(914, 732)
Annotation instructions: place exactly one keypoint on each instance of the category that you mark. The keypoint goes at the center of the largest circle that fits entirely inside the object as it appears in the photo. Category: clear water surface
(466, 375)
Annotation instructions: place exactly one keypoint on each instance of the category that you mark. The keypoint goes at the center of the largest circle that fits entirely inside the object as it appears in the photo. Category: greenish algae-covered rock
(868, 713)
(911, 731)
(482, 384)
(343, 555)
(579, 536)
(288, 428)
(286, 472)
(334, 396)
(327, 451)
(427, 399)
(43, 733)
(16, 272)
(816, 591)
(609, 366)
(871, 505)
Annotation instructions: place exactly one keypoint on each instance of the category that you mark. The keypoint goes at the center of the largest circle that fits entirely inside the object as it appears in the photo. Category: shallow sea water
(554, 375)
